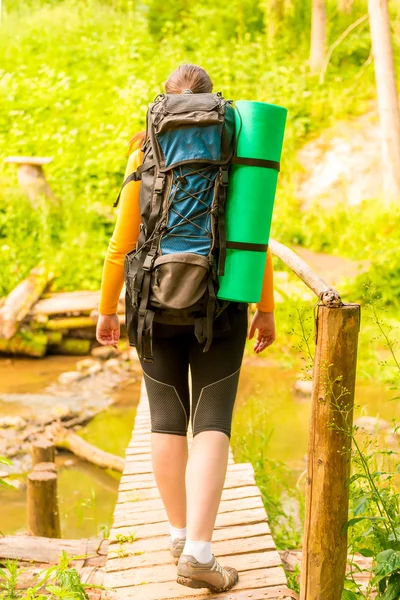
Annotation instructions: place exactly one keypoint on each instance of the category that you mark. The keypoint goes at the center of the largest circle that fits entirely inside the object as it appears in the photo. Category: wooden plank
(272, 593)
(248, 580)
(148, 531)
(245, 517)
(235, 469)
(245, 491)
(223, 540)
(134, 467)
(167, 572)
(148, 512)
(254, 515)
(147, 480)
(240, 547)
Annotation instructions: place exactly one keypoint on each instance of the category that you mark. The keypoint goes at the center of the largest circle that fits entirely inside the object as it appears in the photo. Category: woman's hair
(186, 77)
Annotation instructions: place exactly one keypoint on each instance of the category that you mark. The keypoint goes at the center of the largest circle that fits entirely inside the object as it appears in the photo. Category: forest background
(75, 80)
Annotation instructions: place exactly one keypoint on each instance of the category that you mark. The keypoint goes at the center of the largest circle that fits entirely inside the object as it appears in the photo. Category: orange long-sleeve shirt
(125, 237)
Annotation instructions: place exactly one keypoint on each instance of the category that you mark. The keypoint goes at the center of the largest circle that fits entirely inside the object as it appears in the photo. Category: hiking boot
(205, 575)
(176, 547)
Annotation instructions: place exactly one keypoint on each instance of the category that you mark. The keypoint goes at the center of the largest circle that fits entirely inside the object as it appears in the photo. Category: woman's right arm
(123, 240)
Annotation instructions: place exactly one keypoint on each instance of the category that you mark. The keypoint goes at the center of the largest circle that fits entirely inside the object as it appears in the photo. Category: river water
(267, 407)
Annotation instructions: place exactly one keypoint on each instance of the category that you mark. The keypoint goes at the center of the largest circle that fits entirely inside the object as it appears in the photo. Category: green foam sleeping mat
(251, 192)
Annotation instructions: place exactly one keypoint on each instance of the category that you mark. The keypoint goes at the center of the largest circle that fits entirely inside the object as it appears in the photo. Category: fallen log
(72, 347)
(29, 548)
(67, 440)
(69, 323)
(20, 300)
(69, 303)
(25, 342)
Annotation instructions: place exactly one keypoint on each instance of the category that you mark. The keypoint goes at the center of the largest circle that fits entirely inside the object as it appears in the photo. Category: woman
(190, 487)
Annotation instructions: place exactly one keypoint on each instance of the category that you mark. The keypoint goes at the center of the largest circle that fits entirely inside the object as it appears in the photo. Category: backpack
(172, 275)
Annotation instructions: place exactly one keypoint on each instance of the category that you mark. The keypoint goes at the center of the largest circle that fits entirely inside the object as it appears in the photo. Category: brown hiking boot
(176, 547)
(206, 575)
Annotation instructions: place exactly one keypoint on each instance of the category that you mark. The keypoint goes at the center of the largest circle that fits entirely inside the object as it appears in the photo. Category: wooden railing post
(324, 555)
(327, 495)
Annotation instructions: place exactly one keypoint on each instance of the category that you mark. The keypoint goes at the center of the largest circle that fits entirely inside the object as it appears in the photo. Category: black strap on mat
(256, 162)
(247, 246)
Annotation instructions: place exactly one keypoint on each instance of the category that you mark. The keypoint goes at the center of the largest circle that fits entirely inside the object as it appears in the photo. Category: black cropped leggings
(214, 375)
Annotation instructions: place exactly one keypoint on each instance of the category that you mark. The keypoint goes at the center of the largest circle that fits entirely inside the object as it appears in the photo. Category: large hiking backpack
(171, 276)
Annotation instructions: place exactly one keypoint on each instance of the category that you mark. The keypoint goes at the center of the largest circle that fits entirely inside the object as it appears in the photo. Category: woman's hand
(264, 322)
(108, 330)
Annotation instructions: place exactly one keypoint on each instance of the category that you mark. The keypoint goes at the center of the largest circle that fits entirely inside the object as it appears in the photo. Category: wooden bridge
(139, 563)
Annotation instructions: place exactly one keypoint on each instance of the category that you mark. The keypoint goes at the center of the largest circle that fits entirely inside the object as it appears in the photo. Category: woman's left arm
(263, 321)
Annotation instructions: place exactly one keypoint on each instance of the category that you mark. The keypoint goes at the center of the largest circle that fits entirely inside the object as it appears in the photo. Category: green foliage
(59, 581)
(76, 77)
(374, 523)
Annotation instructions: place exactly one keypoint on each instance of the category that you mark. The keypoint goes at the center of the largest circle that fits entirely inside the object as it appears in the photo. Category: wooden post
(43, 514)
(329, 453)
(43, 451)
(31, 177)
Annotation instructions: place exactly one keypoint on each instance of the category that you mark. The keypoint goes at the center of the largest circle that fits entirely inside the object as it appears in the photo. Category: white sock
(177, 533)
(201, 551)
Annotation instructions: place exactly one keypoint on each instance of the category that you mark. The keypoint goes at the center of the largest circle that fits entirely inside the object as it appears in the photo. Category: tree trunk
(274, 13)
(318, 35)
(20, 300)
(346, 6)
(388, 104)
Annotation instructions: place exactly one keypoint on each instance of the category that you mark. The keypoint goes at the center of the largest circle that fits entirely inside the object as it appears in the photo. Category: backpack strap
(143, 278)
(135, 176)
(147, 259)
(211, 303)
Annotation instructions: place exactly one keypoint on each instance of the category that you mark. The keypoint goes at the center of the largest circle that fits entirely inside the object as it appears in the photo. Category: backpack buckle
(148, 262)
(159, 184)
(224, 176)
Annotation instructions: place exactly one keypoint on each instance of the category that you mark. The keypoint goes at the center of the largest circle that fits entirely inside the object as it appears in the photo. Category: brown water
(267, 405)
(87, 494)
(267, 401)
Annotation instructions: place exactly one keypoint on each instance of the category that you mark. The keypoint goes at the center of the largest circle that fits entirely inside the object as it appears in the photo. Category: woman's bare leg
(205, 477)
(169, 456)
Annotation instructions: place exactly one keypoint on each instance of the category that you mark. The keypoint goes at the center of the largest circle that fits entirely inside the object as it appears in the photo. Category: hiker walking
(169, 245)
